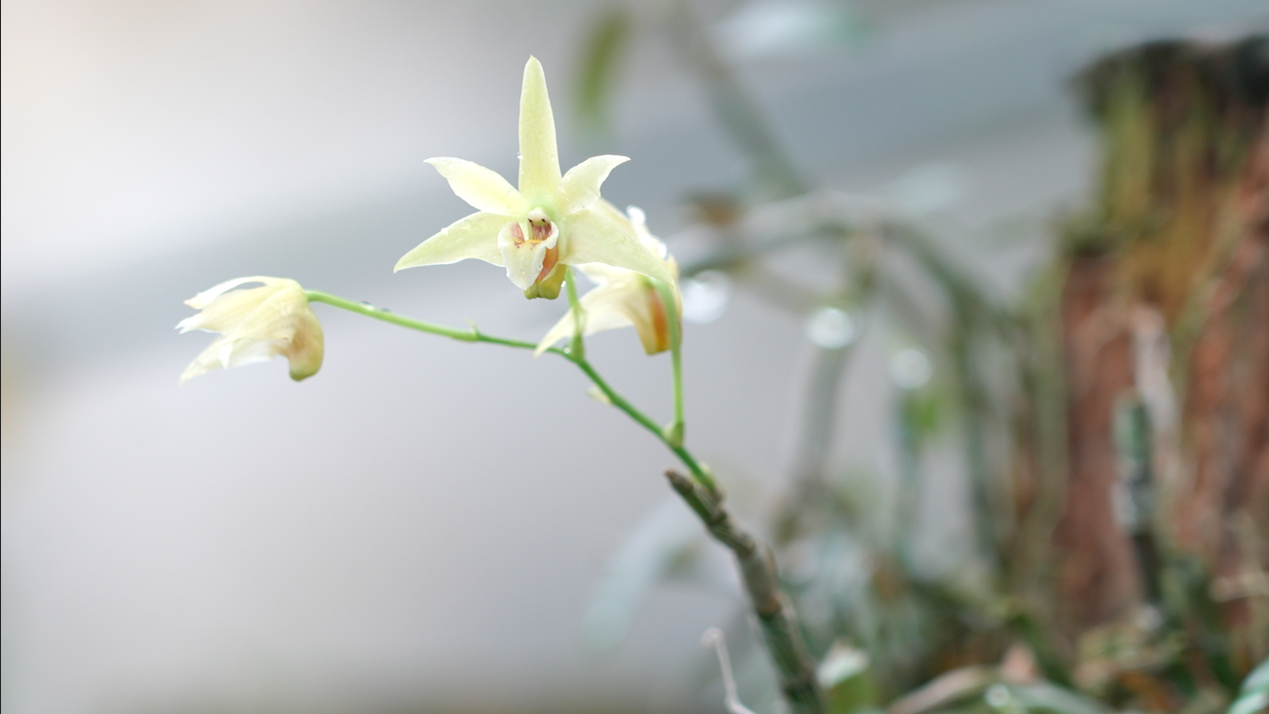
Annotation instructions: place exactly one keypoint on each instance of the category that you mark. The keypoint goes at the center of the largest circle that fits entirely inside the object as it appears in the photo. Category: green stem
(675, 432)
(699, 471)
(471, 334)
(576, 347)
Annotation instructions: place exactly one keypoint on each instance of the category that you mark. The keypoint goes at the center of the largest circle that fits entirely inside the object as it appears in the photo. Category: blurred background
(438, 526)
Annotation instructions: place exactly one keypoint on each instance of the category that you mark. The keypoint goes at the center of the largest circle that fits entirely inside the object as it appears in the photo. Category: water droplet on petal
(831, 328)
(910, 369)
(705, 296)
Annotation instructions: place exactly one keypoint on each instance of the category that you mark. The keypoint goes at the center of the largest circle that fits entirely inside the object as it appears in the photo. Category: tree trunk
(1164, 318)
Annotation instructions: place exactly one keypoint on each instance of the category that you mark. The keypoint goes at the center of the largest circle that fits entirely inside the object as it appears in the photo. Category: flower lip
(541, 228)
(529, 248)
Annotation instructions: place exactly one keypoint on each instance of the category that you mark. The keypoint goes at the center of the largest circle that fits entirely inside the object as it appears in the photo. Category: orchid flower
(255, 325)
(548, 223)
(623, 297)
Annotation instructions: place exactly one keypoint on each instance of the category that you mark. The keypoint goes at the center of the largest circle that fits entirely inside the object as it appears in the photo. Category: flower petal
(590, 237)
(199, 301)
(602, 309)
(206, 361)
(307, 346)
(580, 186)
(601, 274)
(539, 160)
(239, 352)
(561, 331)
(475, 236)
(227, 310)
(483, 188)
(274, 317)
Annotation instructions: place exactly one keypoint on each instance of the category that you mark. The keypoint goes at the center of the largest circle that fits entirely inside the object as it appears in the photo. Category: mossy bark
(1164, 320)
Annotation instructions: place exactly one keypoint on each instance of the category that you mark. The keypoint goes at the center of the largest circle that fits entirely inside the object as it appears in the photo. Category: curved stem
(775, 612)
(472, 334)
(616, 399)
(699, 471)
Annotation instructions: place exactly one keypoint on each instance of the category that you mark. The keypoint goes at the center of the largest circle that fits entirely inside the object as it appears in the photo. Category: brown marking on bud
(548, 263)
(660, 325)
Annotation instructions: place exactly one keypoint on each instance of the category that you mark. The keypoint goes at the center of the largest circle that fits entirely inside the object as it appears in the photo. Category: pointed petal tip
(439, 161)
(483, 188)
(580, 186)
(402, 264)
(474, 236)
(533, 72)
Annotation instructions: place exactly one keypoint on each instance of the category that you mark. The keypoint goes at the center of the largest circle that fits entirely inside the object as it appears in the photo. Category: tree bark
(1164, 317)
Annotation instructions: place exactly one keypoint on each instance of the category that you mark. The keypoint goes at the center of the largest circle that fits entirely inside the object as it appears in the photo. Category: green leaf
(847, 683)
(604, 50)
(1254, 696)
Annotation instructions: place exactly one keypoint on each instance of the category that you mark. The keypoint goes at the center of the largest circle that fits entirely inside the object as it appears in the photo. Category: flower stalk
(775, 614)
(699, 471)
(674, 433)
(576, 346)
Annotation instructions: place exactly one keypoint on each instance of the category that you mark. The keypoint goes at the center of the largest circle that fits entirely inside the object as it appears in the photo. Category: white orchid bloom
(549, 222)
(255, 325)
(623, 298)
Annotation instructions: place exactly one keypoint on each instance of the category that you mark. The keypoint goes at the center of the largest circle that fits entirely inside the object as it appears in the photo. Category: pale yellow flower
(549, 222)
(255, 325)
(624, 298)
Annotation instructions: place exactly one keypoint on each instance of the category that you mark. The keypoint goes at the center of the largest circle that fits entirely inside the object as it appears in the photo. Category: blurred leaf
(667, 538)
(1254, 696)
(953, 688)
(1045, 697)
(921, 414)
(790, 28)
(844, 676)
(604, 47)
